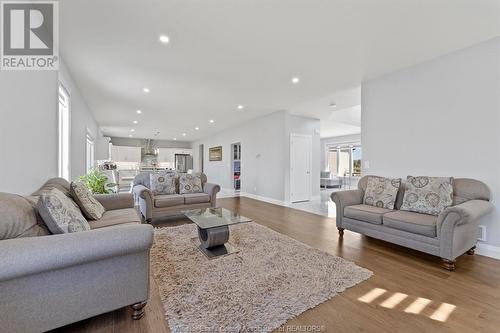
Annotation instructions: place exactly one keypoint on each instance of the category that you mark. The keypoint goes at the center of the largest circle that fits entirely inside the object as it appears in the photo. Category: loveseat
(448, 235)
(48, 281)
(153, 205)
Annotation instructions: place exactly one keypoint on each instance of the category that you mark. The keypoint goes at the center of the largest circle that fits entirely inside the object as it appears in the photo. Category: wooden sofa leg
(138, 310)
(472, 251)
(341, 232)
(448, 264)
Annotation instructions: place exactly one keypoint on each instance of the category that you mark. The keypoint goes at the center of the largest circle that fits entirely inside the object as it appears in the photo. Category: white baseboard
(261, 198)
(488, 250)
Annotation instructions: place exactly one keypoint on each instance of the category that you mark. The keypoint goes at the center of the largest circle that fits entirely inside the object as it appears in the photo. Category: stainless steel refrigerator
(183, 162)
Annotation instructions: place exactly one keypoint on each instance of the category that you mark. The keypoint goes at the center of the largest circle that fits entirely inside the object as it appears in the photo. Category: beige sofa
(449, 235)
(48, 281)
(153, 205)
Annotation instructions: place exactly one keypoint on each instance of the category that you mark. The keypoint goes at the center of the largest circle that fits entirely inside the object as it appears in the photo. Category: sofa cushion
(366, 213)
(194, 198)
(381, 192)
(428, 195)
(18, 218)
(163, 182)
(61, 184)
(416, 223)
(190, 183)
(168, 200)
(116, 217)
(90, 207)
(59, 213)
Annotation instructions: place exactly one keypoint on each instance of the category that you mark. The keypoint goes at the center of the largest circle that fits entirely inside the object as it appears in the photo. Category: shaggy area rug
(272, 279)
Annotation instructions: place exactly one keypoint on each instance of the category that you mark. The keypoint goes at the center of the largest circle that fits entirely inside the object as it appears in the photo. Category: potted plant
(97, 182)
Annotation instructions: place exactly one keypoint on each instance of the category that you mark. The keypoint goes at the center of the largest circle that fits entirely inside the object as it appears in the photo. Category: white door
(300, 167)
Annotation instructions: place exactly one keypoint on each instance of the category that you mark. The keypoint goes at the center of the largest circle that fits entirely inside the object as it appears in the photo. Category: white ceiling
(225, 52)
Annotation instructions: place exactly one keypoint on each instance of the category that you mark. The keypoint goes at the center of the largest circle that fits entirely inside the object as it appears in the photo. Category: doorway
(236, 165)
(300, 167)
(201, 155)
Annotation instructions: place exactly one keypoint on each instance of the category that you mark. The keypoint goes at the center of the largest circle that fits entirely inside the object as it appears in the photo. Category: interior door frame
(309, 190)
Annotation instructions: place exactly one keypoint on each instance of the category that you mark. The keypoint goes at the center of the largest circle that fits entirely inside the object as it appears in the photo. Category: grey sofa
(48, 281)
(153, 206)
(326, 180)
(449, 235)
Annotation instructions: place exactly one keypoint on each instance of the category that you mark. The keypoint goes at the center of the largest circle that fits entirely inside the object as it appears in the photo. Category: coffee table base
(215, 252)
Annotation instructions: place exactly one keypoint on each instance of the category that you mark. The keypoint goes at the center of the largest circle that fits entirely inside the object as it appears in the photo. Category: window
(63, 133)
(344, 161)
(333, 157)
(356, 161)
(90, 152)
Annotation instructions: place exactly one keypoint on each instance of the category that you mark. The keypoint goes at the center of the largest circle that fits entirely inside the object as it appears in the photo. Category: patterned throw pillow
(59, 214)
(91, 208)
(381, 192)
(163, 182)
(190, 183)
(428, 195)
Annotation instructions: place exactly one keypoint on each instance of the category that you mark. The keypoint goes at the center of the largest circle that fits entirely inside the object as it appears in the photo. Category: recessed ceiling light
(212, 121)
(240, 107)
(164, 39)
(130, 135)
(295, 80)
(138, 111)
(132, 130)
(184, 134)
(135, 121)
(175, 139)
(146, 90)
(196, 128)
(333, 105)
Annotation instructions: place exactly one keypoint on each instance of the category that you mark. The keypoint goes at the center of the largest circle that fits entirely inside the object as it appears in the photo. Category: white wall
(335, 141)
(439, 118)
(81, 120)
(262, 156)
(265, 146)
(28, 127)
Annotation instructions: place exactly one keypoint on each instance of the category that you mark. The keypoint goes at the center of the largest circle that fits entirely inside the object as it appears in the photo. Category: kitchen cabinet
(125, 154)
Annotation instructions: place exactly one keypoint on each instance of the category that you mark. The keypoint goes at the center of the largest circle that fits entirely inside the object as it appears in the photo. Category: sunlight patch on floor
(418, 305)
(372, 295)
(442, 313)
(394, 300)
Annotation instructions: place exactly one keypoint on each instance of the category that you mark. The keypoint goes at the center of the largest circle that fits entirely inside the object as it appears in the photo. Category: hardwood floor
(409, 291)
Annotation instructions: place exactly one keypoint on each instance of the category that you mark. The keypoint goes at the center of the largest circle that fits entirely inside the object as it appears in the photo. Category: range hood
(147, 149)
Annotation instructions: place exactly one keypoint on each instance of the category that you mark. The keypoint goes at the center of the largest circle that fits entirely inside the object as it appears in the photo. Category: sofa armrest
(146, 199)
(343, 199)
(463, 213)
(212, 190)
(33, 255)
(457, 227)
(116, 200)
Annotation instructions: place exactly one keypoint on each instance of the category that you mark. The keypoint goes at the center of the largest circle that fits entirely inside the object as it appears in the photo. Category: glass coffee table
(213, 229)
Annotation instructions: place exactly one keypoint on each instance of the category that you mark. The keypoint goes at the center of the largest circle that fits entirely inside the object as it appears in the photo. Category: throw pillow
(59, 214)
(163, 182)
(428, 195)
(91, 208)
(190, 183)
(381, 192)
